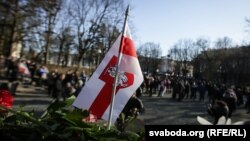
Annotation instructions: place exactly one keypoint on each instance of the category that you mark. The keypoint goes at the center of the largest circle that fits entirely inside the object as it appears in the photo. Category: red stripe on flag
(128, 47)
(103, 99)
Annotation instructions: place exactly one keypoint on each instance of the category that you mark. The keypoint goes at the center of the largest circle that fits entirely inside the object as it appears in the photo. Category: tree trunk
(60, 54)
(47, 45)
(79, 60)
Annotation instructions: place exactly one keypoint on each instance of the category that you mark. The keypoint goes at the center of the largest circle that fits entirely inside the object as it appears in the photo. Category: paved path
(29, 97)
(159, 110)
(167, 111)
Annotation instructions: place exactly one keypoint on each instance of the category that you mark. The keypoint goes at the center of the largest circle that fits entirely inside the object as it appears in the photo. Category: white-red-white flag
(96, 94)
(23, 69)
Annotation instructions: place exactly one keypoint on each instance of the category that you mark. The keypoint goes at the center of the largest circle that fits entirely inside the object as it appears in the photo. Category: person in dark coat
(133, 107)
(60, 88)
(2, 66)
(52, 78)
(231, 99)
(181, 89)
(218, 110)
(78, 86)
(202, 91)
(193, 90)
(178, 89)
(13, 72)
(186, 89)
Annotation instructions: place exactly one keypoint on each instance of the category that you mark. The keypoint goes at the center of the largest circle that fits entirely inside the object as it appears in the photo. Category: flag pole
(117, 70)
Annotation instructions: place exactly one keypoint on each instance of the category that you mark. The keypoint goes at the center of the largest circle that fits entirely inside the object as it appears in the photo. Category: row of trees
(186, 50)
(198, 54)
(65, 26)
(221, 60)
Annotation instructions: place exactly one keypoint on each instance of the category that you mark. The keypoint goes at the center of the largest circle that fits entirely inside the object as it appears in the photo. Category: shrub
(60, 122)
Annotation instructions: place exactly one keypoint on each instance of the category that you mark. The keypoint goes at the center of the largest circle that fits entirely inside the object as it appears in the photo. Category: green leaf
(131, 135)
(122, 117)
(25, 116)
(61, 123)
(65, 135)
(1, 122)
(82, 137)
(69, 101)
(56, 105)
(74, 129)
(75, 116)
(55, 126)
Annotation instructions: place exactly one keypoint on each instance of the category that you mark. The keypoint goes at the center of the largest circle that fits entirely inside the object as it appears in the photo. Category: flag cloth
(96, 94)
(23, 69)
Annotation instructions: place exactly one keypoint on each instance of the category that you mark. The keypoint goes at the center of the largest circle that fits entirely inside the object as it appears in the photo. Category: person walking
(202, 91)
(60, 88)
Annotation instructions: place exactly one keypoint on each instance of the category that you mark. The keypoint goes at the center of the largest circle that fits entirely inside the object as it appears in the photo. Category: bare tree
(65, 42)
(203, 59)
(223, 43)
(248, 25)
(182, 53)
(150, 54)
(247, 42)
(49, 9)
(202, 45)
(12, 16)
(87, 17)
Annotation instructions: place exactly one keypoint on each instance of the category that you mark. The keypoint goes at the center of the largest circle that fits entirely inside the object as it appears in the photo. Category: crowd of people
(182, 88)
(61, 85)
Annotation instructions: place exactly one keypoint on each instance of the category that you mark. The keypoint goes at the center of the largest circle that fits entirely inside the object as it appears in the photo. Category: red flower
(6, 99)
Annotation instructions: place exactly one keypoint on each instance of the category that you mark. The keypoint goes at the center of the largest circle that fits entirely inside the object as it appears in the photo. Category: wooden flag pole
(117, 70)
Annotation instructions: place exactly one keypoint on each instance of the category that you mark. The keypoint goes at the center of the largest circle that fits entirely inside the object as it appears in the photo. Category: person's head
(62, 76)
(79, 83)
(68, 84)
